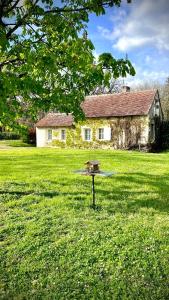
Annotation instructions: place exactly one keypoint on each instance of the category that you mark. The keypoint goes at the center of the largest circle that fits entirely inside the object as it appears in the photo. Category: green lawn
(55, 246)
(13, 143)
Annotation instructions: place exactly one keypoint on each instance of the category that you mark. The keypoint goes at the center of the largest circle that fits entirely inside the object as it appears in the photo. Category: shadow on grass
(123, 193)
(19, 194)
(134, 191)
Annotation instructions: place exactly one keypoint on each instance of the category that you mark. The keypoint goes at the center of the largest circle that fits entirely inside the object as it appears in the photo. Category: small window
(87, 134)
(152, 132)
(101, 134)
(49, 134)
(63, 134)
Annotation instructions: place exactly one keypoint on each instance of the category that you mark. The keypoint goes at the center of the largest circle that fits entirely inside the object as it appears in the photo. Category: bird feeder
(92, 169)
(92, 166)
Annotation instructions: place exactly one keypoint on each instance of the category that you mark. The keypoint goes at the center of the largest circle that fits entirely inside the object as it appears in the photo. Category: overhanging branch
(65, 9)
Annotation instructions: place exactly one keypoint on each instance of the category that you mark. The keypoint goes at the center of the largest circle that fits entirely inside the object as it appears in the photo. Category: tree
(165, 99)
(148, 85)
(114, 86)
(46, 59)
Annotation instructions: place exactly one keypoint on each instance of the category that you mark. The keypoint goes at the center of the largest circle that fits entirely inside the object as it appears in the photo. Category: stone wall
(121, 133)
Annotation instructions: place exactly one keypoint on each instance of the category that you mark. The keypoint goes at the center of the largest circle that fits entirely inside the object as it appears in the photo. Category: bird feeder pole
(93, 191)
(92, 169)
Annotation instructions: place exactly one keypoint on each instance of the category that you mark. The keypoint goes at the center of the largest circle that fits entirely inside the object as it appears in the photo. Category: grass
(55, 246)
(13, 143)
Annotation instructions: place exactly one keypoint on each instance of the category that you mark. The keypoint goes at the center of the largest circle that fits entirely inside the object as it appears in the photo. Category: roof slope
(56, 120)
(106, 105)
(122, 104)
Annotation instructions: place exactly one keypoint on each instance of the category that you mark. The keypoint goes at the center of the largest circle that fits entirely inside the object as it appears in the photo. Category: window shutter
(107, 133)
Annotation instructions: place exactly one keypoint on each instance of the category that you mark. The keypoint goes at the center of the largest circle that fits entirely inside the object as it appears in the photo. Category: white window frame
(49, 134)
(106, 133)
(84, 134)
(63, 136)
(101, 133)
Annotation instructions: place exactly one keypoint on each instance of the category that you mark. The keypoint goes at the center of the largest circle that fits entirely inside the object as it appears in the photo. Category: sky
(140, 30)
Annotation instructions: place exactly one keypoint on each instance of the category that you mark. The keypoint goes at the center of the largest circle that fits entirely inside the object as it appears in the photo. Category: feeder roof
(92, 162)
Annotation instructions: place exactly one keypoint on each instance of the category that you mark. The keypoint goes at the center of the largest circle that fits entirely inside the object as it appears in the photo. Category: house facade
(115, 121)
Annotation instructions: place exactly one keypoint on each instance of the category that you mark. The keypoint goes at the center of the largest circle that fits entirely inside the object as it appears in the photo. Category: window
(152, 132)
(49, 134)
(87, 134)
(101, 134)
(63, 134)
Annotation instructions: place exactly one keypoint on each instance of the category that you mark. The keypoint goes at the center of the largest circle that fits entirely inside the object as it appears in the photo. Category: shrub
(9, 136)
(164, 135)
(31, 136)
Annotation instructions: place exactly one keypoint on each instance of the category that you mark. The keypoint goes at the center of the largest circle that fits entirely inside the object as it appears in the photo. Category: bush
(164, 135)
(31, 136)
(9, 136)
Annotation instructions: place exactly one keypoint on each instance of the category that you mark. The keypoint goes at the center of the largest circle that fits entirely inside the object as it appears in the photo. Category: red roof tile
(56, 120)
(106, 105)
(122, 104)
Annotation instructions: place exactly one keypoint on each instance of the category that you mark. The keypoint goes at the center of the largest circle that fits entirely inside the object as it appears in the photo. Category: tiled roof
(56, 120)
(106, 105)
(122, 104)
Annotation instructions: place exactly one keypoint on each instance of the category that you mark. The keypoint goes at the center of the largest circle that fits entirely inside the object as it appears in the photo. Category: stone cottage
(114, 121)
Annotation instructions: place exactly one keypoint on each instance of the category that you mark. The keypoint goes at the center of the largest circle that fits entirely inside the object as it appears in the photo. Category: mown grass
(13, 143)
(55, 246)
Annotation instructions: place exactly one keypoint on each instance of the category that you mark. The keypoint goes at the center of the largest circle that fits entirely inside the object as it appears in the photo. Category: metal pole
(93, 191)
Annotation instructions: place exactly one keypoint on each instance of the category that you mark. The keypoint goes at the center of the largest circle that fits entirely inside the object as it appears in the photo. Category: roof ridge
(131, 92)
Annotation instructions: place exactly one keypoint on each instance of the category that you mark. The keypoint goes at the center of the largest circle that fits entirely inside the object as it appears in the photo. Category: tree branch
(20, 22)
(40, 40)
(10, 61)
(17, 25)
(69, 10)
(12, 7)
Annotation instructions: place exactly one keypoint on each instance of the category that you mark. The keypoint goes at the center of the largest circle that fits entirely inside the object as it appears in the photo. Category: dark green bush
(30, 137)
(9, 136)
(162, 137)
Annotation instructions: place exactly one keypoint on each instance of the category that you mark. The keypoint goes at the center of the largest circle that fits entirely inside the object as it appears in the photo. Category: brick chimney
(125, 89)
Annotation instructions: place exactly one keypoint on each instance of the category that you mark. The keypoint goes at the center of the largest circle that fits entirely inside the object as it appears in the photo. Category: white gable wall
(41, 137)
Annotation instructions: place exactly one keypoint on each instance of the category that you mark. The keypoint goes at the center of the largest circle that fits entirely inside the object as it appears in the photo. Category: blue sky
(140, 29)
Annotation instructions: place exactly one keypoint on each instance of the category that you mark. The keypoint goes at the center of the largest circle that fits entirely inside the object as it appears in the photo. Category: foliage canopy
(46, 58)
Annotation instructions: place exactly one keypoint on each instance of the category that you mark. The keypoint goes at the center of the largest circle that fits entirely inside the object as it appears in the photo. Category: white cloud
(118, 17)
(147, 23)
(126, 43)
(105, 32)
(143, 76)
